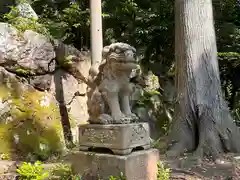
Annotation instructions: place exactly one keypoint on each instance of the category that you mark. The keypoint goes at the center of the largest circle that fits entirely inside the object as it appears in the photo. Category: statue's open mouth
(127, 65)
(121, 58)
(127, 61)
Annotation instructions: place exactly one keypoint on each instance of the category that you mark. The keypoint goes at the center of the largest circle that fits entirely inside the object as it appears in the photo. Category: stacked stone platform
(115, 150)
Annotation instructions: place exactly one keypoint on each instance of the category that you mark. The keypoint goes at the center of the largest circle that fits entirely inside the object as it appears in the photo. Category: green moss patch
(30, 129)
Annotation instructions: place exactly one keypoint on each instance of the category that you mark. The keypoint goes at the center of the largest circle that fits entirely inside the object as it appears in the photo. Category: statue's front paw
(133, 117)
(105, 119)
(121, 119)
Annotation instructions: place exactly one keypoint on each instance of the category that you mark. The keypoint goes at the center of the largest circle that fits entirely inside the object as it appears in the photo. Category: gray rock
(39, 51)
(7, 167)
(9, 46)
(78, 109)
(63, 50)
(67, 88)
(152, 81)
(26, 10)
(29, 54)
(73, 60)
(71, 94)
(63, 86)
(42, 82)
(6, 76)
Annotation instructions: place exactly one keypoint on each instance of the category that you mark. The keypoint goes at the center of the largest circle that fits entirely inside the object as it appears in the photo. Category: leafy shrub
(120, 177)
(4, 156)
(229, 68)
(145, 99)
(22, 23)
(62, 171)
(28, 171)
(163, 173)
(153, 100)
(68, 23)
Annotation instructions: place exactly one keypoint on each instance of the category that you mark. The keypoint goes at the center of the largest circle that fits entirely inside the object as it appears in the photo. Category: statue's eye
(118, 51)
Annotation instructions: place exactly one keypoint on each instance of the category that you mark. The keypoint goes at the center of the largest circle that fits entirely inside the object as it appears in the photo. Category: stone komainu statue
(109, 97)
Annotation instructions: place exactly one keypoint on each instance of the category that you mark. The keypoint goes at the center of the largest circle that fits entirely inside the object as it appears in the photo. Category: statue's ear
(105, 51)
(133, 49)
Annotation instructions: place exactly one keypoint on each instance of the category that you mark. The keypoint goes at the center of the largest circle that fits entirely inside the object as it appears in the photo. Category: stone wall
(35, 78)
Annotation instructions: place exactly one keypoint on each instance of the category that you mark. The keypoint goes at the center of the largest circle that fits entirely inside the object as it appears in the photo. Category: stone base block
(7, 166)
(9, 176)
(114, 151)
(121, 139)
(139, 165)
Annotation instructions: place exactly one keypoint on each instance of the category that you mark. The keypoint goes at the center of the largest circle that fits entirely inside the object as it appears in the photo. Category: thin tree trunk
(202, 120)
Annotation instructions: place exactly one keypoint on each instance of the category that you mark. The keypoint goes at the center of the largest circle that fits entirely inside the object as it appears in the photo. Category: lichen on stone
(30, 129)
(66, 62)
(24, 72)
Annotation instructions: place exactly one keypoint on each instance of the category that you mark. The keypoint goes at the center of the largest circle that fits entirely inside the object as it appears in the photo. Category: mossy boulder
(30, 126)
(39, 91)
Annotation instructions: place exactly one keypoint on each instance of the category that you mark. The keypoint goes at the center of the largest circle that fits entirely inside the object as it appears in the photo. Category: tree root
(176, 150)
(177, 170)
(213, 142)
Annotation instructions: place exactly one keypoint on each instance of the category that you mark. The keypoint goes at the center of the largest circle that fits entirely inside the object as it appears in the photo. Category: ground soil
(188, 168)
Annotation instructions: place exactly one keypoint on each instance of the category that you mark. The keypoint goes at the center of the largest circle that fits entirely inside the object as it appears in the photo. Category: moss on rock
(31, 127)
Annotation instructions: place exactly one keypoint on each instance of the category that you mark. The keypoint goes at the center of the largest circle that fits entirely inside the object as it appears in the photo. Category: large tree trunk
(202, 119)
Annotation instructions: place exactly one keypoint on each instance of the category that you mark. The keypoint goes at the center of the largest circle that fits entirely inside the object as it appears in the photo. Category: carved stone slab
(121, 139)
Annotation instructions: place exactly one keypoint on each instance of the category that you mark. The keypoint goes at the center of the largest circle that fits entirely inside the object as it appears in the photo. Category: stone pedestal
(121, 139)
(109, 150)
(139, 165)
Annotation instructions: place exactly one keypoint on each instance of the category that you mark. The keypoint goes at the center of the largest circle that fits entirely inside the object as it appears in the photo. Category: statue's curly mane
(105, 68)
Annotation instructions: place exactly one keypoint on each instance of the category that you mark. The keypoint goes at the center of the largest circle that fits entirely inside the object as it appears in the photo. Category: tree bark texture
(202, 120)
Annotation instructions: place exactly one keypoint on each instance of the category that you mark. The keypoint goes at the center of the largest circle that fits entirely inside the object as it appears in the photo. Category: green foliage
(227, 18)
(147, 25)
(163, 173)
(120, 177)
(4, 156)
(229, 57)
(28, 171)
(22, 23)
(62, 171)
(229, 54)
(236, 114)
(145, 99)
(24, 72)
(66, 62)
(153, 99)
(67, 24)
(229, 63)
(23, 1)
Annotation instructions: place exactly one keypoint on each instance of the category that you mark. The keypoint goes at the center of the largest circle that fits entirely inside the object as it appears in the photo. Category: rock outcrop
(40, 96)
